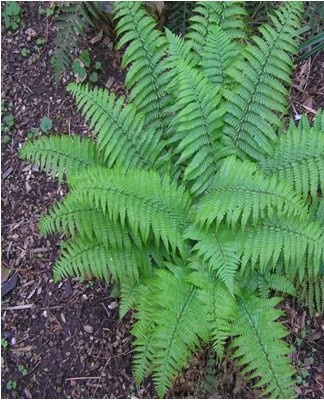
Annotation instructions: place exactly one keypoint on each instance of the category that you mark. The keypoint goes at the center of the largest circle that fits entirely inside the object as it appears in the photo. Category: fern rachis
(196, 207)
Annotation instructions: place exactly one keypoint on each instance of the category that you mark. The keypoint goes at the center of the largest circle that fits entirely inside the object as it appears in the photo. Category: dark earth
(66, 340)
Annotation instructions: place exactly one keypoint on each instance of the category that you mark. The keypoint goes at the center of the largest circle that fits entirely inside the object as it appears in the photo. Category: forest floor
(65, 340)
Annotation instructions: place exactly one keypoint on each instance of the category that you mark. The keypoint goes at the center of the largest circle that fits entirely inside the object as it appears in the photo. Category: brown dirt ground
(68, 341)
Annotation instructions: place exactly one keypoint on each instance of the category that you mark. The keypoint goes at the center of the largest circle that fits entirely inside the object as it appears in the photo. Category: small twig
(80, 378)
(22, 307)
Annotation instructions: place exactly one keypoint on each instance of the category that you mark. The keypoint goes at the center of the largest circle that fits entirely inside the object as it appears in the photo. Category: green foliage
(193, 197)
(313, 31)
(12, 14)
(46, 124)
(178, 14)
(72, 21)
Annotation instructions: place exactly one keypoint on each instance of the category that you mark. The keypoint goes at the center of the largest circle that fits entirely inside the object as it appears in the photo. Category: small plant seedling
(11, 385)
(85, 58)
(79, 70)
(48, 11)
(98, 66)
(9, 121)
(40, 41)
(46, 124)
(4, 343)
(93, 77)
(23, 370)
(12, 13)
(25, 52)
(34, 132)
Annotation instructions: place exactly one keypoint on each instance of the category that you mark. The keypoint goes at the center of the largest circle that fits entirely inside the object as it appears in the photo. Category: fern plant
(193, 195)
(73, 19)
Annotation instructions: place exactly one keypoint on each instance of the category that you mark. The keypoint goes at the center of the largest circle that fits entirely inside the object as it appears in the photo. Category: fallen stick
(79, 378)
(22, 307)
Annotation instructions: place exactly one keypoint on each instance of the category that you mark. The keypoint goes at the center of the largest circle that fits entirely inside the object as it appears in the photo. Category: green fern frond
(226, 15)
(179, 50)
(61, 154)
(221, 306)
(122, 139)
(299, 243)
(243, 198)
(72, 20)
(129, 290)
(178, 15)
(197, 126)
(146, 48)
(319, 120)
(251, 120)
(218, 251)
(311, 291)
(219, 53)
(267, 281)
(149, 203)
(80, 218)
(80, 257)
(267, 357)
(316, 210)
(298, 157)
(179, 326)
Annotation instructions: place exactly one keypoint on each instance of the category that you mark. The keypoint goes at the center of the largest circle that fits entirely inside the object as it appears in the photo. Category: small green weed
(12, 14)
(11, 385)
(47, 11)
(46, 124)
(9, 123)
(4, 343)
(82, 66)
(25, 52)
(79, 70)
(22, 370)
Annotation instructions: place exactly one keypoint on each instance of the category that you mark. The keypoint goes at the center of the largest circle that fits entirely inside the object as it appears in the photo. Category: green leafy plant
(11, 385)
(195, 197)
(22, 370)
(12, 13)
(72, 20)
(4, 343)
(82, 66)
(313, 31)
(25, 52)
(46, 124)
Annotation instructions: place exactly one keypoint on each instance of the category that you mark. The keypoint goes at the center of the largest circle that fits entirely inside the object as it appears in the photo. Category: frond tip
(62, 154)
(259, 346)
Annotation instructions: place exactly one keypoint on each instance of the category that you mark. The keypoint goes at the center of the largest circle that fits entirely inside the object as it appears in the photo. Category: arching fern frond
(219, 53)
(61, 154)
(197, 125)
(122, 139)
(243, 198)
(79, 218)
(146, 48)
(221, 306)
(267, 358)
(178, 327)
(178, 15)
(148, 203)
(311, 292)
(298, 157)
(299, 243)
(226, 15)
(218, 251)
(251, 120)
(83, 258)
